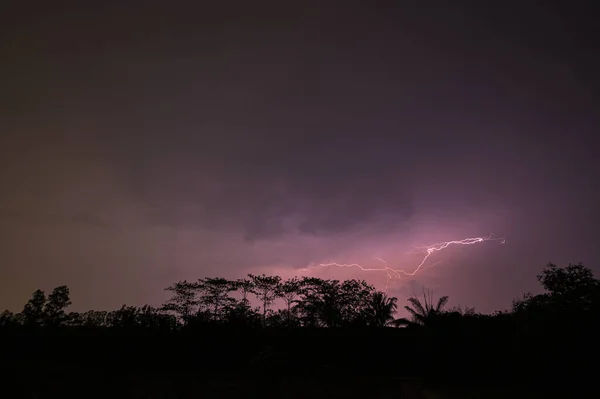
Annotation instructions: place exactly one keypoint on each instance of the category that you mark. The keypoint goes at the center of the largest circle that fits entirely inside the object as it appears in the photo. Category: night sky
(142, 145)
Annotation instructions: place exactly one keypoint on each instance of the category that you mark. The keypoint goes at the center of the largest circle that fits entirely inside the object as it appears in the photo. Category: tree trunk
(264, 310)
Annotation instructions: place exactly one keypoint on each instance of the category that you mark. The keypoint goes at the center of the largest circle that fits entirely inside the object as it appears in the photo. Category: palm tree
(423, 314)
(382, 309)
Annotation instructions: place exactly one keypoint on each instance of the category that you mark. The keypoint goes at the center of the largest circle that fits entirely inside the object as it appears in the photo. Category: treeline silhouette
(261, 335)
(309, 302)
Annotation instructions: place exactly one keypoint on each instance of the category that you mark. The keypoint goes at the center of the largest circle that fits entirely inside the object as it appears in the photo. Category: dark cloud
(175, 142)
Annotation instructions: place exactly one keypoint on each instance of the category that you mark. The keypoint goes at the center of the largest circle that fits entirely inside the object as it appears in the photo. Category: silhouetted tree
(7, 319)
(57, 302)
(214, 295)
(184, 301)
(381, 309)
(423, 314)
(289, 291)
(330, 303)
(245, 287)
(355, 300)
(33, 312)
(573, 279)
(319, 305)
(572, 287)
(266, 290)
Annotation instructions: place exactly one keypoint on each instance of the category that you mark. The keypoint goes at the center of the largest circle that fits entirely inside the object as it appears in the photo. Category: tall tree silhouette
(184, 301)
(266, 290)
(355, 296)
(33, 312)
(289, 291)
(245, 287)
(320, 305)
(214, 295)
(57, 302)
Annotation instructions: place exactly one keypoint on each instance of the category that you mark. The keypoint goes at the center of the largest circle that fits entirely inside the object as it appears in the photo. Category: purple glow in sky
(140, 147)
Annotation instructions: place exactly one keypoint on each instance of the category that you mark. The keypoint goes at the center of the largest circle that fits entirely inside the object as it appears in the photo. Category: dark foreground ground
(388, 363)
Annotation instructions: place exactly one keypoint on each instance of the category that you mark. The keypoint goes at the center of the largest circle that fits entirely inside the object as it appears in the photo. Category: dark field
(222, 363)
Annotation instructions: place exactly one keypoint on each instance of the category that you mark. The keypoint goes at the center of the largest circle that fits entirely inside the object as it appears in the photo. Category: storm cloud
(143, 146)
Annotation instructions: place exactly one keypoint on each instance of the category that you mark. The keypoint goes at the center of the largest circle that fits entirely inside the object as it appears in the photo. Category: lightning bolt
(429, 250)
